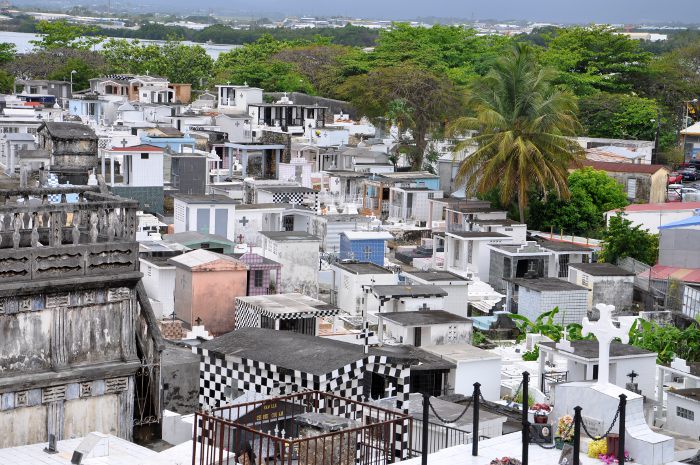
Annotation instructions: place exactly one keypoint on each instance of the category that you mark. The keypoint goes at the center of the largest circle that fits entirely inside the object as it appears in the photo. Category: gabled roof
(205, 260)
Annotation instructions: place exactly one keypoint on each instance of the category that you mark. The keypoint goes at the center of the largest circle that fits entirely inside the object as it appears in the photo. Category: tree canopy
(525, 125)
(622, 239)
(593, 193)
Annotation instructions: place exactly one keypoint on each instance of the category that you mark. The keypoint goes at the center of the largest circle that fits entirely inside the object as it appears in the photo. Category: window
(584, 280)
(685, 413)
(258, 278)
(144, 156)
(564, 265)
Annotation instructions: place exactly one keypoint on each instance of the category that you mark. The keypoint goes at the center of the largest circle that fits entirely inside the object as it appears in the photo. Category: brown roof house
(206, 287)
(642, 183)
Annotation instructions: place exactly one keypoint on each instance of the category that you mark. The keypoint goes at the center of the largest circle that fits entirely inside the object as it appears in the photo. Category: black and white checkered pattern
(249, 315)
(217, 374)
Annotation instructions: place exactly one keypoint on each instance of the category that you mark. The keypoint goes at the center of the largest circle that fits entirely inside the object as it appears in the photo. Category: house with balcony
(376, 189)
(286, 117)
(140, 177)
(467, 253)
(411, 204)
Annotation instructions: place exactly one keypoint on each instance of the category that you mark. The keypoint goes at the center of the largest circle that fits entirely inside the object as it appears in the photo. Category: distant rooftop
(547, 284)
(289, 236)
(362, 268)
(477, 234)
(423, 318)
(368, 235)
(561, 246)
(402, 290)
(284, 304)
(202, 199)
(437, 276)
(601, 269)
(589, 349)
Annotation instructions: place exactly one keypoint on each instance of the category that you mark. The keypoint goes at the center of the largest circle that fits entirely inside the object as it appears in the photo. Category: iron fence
(270, 431)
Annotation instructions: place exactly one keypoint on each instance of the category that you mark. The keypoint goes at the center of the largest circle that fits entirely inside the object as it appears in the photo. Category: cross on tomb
(424, 307)
(632, 375)
(244, 221)
(605, 331)
(124, 142)
(390, 390)
(240, 238)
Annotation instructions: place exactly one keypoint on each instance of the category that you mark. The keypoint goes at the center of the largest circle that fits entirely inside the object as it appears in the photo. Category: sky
(579, 11)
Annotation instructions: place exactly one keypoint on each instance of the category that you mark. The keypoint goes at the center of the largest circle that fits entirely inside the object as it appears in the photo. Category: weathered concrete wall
(91, 414)
(180, 375)
(25, 344)
(150, 198)
(23, 426)
(617, 291)
(183, 295)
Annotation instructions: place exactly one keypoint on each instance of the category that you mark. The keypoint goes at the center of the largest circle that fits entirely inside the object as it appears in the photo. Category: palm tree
(524, 125)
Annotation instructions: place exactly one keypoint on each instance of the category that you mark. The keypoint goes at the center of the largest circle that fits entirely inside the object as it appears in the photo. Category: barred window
(685, 413)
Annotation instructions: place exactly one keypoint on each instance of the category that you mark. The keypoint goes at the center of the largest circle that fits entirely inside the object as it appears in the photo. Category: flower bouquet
(565, 431)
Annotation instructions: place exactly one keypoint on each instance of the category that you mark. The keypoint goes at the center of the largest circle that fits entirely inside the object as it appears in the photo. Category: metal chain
(617, 414)
(469, 404)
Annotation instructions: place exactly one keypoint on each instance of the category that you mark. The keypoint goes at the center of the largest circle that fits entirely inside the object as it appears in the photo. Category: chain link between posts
(469, 404)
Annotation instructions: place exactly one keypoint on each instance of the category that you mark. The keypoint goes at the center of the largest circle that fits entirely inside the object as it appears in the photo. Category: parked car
(675, 178)
(676, 192)
(689, 174)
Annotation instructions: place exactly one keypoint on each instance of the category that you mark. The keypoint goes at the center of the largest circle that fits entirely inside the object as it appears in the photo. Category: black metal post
(621, 451)
(475, 422)
(526, 423)
(426, 427)
(577, 434)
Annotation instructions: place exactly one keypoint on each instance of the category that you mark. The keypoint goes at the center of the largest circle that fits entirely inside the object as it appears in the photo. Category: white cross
(605, 331)
(390, 390)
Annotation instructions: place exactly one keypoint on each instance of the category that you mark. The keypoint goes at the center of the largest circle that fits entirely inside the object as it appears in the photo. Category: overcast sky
(611, 11)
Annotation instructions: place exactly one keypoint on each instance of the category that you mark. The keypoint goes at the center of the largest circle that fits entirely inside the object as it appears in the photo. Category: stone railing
(96, 233)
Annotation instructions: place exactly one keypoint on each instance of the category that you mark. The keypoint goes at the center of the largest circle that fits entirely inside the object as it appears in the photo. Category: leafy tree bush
(593, 193)
(621, 240)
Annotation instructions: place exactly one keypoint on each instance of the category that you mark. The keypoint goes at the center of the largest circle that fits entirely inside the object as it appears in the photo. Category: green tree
(418, 99)
(254, 64)
(594, 58)
(459, 53)
(62, 34)
(178, 62)
(618, 116)
(593, 193)
(621, 240)
(667, 341)
(525, 124)
(7, 52)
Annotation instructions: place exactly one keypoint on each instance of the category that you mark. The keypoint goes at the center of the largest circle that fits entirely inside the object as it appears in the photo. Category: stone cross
(244, 221)
(390, 390)
(605, 331)
(124, 142)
